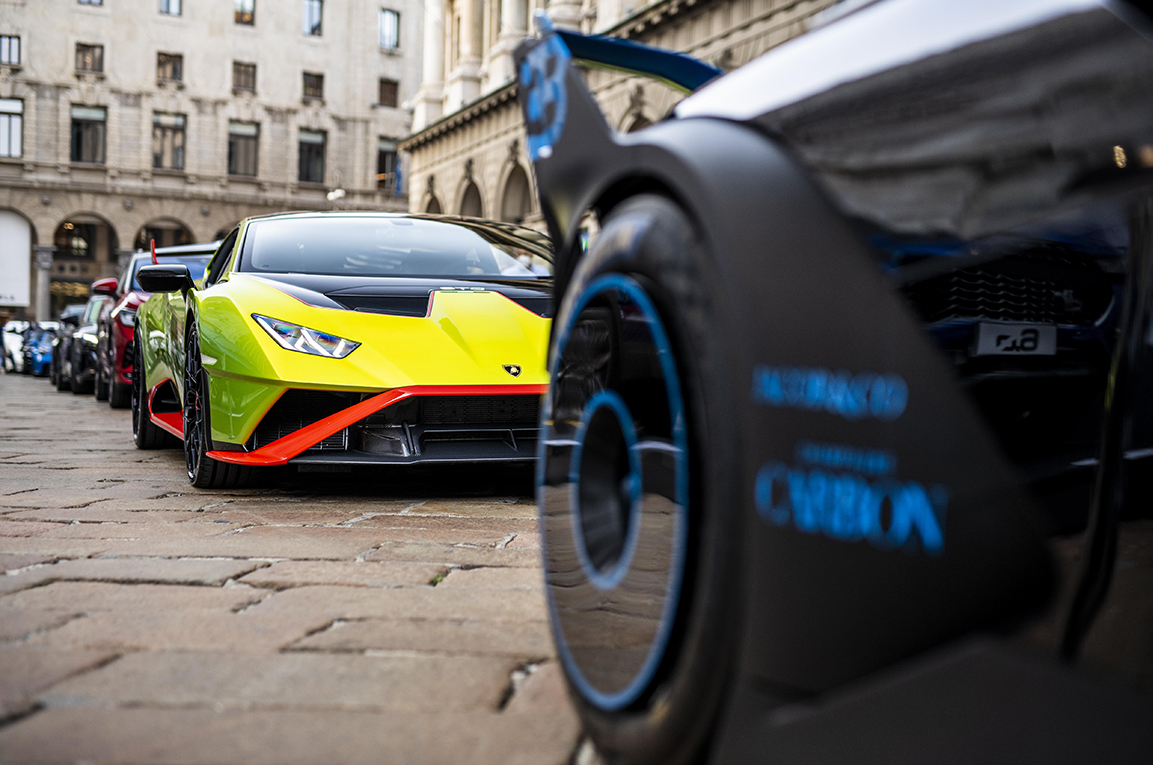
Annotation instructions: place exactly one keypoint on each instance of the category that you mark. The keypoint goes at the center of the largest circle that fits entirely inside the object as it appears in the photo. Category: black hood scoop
(394, 296)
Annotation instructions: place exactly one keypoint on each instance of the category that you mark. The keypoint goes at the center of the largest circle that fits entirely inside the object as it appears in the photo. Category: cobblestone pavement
(314, 619)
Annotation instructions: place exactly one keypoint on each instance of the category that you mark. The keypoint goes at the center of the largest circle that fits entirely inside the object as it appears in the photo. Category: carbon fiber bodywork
(869, 195)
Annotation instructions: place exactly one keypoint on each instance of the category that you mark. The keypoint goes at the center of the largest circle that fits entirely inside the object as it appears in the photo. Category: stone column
(513, 29)
(428, 101)
(44, 253)
(463, 84)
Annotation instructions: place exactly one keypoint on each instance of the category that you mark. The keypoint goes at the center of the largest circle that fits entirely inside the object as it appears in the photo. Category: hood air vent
(392, 305)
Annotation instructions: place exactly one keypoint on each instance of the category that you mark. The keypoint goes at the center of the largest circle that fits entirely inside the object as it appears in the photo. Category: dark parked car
(75, 353)
(864, 322)
(68, 320)
(114, 346)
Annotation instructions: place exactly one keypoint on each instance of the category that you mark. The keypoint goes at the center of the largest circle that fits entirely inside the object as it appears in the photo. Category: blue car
(38, 348)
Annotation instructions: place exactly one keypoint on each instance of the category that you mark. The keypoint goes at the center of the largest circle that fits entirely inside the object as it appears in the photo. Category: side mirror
(166, 277)
(105, 286)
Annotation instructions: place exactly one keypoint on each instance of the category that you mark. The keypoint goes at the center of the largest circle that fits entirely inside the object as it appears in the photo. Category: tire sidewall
(649, 239)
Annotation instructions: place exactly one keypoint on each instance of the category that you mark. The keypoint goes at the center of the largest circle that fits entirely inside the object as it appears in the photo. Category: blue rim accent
(614, 701)
(612, 400)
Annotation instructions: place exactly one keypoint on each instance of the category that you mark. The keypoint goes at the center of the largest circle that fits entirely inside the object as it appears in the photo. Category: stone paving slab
(356, 573)
(296, 680)
(406, 603)
(29, 670)
(178, 630)
(289, 737)
(527, 641)
(310, 619)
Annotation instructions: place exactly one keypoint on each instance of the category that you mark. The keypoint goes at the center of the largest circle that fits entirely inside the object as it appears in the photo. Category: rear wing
(564, 124)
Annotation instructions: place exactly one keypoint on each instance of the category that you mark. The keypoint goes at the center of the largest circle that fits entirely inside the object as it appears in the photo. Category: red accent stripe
(282, 450)
(173, 422)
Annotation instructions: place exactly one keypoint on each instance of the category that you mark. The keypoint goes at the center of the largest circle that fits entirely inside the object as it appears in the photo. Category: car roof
(203, 248)
(444, 218)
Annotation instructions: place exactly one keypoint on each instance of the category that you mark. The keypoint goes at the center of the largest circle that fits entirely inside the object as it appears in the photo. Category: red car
(114, 336)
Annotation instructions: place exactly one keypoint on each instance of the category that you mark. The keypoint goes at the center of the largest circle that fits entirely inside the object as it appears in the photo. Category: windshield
(196, 265)
(371, 246)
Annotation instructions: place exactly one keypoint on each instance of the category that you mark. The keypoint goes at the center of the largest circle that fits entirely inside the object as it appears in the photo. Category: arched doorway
(470, 201)
(433, 206)
(86, 250)
(516, 202)
(166, 232)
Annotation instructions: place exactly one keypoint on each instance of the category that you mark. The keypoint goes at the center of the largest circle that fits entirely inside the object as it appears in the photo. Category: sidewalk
(329, 619)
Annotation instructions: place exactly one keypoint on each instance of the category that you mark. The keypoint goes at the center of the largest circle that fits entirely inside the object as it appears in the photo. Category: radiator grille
(479, 410)
(1028, 289)
(297, 409)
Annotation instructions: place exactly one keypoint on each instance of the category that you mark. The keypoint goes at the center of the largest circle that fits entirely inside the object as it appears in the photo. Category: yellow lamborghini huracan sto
(345, 339)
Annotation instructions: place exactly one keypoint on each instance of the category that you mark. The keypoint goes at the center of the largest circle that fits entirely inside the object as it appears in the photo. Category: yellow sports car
(346, 339)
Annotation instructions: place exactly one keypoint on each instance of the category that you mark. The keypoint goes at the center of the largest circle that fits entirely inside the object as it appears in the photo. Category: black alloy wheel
(145, 434)
(99, 383)
(203, 471)
(635, 487)
(62, 382)
(78, 385)
(119, 395)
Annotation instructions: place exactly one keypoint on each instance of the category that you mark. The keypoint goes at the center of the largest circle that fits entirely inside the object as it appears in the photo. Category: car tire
(99, 384)
(62, 381)
(667, 712)
(203, 471)
(119, 395)
(145, 434)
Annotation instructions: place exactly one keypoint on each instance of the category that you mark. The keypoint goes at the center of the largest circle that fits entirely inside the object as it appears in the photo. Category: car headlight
(88, 337)
(126, 317)
(294, 337)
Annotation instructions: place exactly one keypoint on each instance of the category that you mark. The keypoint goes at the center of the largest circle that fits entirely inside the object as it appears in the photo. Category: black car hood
(402, 296)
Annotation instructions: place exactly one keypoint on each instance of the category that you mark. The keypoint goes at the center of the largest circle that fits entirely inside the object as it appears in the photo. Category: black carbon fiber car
(858, 350)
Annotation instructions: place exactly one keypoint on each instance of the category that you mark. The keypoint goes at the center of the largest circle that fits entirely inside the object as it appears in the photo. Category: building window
(389, 29)
(311, 156)
(313, 13)
(11, 127)
(170, 7)
(89, 58)
(243, 77)
(389, 93)
(387, 167)
(167, 141)
(243, 142)
(169, 67)
(245, 11)
(313, 85)
(10, 50)
(88, 134)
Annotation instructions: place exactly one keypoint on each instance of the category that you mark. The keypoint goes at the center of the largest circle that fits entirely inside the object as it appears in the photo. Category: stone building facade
(468, 152)
(123, 121)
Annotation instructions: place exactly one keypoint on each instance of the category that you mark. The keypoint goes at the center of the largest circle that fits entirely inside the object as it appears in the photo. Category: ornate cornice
(462, 116)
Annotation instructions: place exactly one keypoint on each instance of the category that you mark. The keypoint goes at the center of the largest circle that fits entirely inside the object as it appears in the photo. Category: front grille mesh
(479, 410)
(297, 409)
(1015, 289)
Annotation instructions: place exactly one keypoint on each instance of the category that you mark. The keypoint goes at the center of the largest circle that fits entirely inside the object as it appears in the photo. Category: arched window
(166, 232)
(433, 206)
(516, 202)
(470, 203)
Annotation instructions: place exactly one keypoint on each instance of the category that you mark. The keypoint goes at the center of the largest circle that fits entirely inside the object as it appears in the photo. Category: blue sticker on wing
(542, 76)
